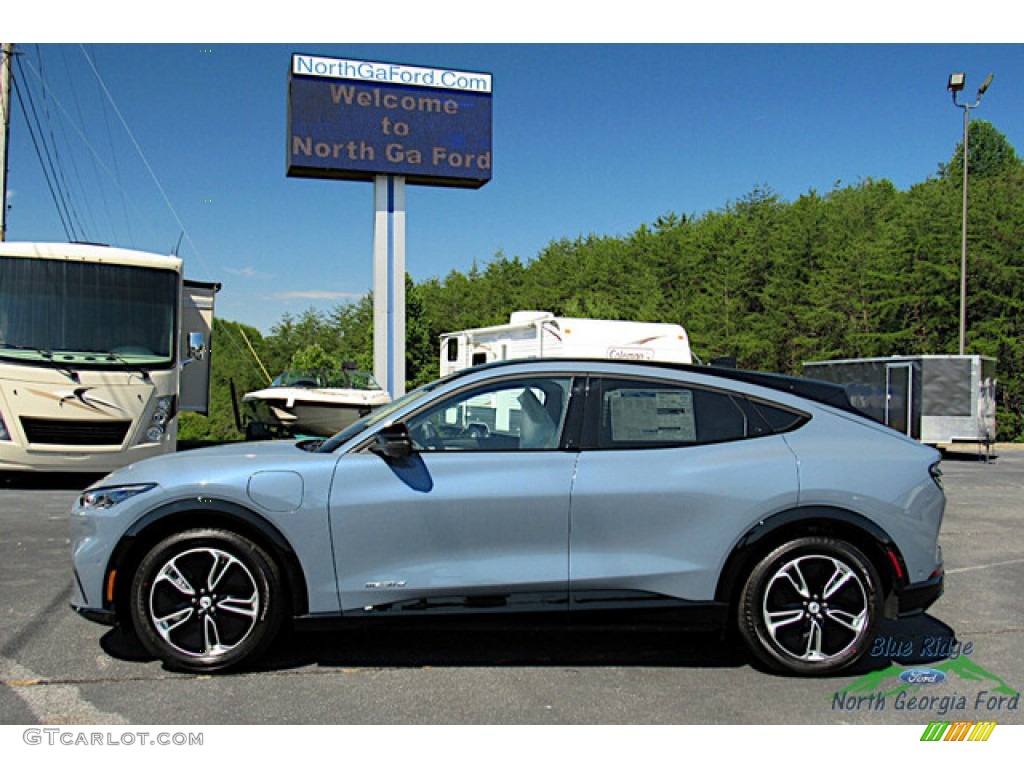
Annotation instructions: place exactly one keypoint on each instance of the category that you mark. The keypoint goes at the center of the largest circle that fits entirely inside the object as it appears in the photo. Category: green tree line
(862, 270)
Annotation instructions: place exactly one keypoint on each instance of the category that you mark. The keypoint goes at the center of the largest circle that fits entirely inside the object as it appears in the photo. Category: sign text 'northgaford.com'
(351, 119)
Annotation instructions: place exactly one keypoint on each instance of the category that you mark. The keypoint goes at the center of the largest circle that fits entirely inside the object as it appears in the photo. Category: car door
(477, 518)
(670, 476)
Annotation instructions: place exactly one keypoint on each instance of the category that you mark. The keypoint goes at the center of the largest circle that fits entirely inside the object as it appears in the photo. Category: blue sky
(588, 139)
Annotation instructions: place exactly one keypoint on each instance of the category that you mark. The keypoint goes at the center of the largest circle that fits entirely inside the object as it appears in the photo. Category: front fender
(199, 512)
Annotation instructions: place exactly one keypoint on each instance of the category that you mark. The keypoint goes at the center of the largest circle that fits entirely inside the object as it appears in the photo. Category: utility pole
(6, 60)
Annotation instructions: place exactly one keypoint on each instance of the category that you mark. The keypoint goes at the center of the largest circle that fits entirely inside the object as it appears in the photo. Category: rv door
(196, 343)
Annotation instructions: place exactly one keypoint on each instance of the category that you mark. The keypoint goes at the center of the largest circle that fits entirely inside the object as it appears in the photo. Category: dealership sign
(350, 119)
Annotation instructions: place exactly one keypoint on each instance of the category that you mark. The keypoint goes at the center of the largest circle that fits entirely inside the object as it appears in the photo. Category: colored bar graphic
(982, 731)
(959, 730)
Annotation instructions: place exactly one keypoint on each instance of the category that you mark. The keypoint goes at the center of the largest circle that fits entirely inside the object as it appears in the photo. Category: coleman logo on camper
(630, 353)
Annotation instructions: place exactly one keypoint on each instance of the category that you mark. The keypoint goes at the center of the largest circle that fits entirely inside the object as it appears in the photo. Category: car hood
(204, 464)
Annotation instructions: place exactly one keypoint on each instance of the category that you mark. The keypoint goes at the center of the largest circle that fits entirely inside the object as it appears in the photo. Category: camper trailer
(937, 399)
(541, 334)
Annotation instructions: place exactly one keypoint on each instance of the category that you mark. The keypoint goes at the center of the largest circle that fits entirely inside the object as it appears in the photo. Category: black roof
(823, 392)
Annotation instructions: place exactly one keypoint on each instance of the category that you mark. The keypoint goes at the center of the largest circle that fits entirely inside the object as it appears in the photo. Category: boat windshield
(348, 378)
(376, 417)
(69, 313)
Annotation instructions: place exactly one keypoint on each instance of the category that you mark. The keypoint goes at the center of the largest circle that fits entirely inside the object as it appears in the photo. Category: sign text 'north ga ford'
(352, 119)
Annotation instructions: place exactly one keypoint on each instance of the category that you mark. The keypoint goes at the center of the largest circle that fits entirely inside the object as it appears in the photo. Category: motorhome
(100, 349)
(542, 334)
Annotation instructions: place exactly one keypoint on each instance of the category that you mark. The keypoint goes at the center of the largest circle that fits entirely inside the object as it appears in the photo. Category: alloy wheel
(815, 608)
(204, 602)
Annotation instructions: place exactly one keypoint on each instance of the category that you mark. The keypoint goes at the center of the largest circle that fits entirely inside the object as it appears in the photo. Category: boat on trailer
(311, 402)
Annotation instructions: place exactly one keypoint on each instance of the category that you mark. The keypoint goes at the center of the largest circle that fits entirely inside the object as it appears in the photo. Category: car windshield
(376, 417)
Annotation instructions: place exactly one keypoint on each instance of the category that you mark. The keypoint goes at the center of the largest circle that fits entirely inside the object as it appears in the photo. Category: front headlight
(105, 498)
(163, 412)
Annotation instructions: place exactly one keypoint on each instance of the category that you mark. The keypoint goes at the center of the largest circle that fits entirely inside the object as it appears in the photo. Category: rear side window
(778, 419)
(631, 413)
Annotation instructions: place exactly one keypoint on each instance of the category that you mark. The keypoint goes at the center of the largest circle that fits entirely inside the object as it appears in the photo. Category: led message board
(351, 119)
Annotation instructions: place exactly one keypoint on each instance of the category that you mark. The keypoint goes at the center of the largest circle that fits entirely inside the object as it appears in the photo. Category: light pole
(957, 81)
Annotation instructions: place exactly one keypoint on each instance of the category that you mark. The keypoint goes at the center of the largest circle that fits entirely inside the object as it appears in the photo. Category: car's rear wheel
(205, 600)
(810, 606)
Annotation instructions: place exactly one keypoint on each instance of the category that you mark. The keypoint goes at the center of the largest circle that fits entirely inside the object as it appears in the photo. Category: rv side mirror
(392, 443)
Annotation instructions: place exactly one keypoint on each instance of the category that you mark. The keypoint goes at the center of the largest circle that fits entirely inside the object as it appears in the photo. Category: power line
(63, 185)
(118, 185)
(39, 155)
(115, 176)
(142, 155)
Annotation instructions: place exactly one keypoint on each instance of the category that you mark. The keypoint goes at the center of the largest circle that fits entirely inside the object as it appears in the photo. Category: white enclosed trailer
(542, 334)
(937, 399)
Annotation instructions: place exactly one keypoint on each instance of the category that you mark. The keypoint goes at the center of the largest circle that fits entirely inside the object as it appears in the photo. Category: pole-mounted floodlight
(957, 82)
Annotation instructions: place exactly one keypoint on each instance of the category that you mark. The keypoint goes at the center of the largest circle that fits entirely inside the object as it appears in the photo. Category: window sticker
(652, 415)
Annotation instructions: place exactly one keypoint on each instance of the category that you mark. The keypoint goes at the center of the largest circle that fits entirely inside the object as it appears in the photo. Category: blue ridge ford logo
(923, 676)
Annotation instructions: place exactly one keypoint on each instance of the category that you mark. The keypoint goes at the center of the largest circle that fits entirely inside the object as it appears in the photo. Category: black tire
(810, 607)
(207, 600)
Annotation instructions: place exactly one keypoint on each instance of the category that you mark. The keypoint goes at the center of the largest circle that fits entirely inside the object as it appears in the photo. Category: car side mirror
(392, 443)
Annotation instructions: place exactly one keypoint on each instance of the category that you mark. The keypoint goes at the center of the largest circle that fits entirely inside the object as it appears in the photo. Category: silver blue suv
(566, 487)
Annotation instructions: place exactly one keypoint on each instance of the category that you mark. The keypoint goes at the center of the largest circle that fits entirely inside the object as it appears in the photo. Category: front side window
(510, 415)
(658, 414)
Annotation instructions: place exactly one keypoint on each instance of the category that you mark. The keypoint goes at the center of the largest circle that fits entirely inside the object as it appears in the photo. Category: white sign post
(389, 283)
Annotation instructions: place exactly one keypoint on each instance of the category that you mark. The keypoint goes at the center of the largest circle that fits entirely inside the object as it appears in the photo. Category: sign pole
(389, 283)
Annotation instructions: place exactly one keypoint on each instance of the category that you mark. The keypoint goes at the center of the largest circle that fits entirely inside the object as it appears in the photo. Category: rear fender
(834, 522)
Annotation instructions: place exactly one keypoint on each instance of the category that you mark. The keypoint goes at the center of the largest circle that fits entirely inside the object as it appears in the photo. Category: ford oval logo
(923, 676)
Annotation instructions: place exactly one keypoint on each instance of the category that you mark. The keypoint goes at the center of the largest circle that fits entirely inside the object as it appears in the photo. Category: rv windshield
(70, 313)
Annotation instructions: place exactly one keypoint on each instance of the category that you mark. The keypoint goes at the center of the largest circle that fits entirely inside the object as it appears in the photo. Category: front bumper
(98, 615)
(80, 604)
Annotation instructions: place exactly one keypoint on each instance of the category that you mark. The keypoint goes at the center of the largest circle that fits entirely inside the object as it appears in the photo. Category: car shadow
(416, 643)
(554, 645)
(413, 643)
(915, 641)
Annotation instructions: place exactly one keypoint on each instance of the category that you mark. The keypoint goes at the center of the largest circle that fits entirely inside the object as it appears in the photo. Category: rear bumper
(914, 599)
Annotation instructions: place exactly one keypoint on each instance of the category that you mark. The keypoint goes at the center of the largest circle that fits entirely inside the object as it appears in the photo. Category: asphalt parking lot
(56, 668)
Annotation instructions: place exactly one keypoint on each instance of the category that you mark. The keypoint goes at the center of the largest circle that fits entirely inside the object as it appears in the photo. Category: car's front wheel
(811, 606)
(205, 600)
